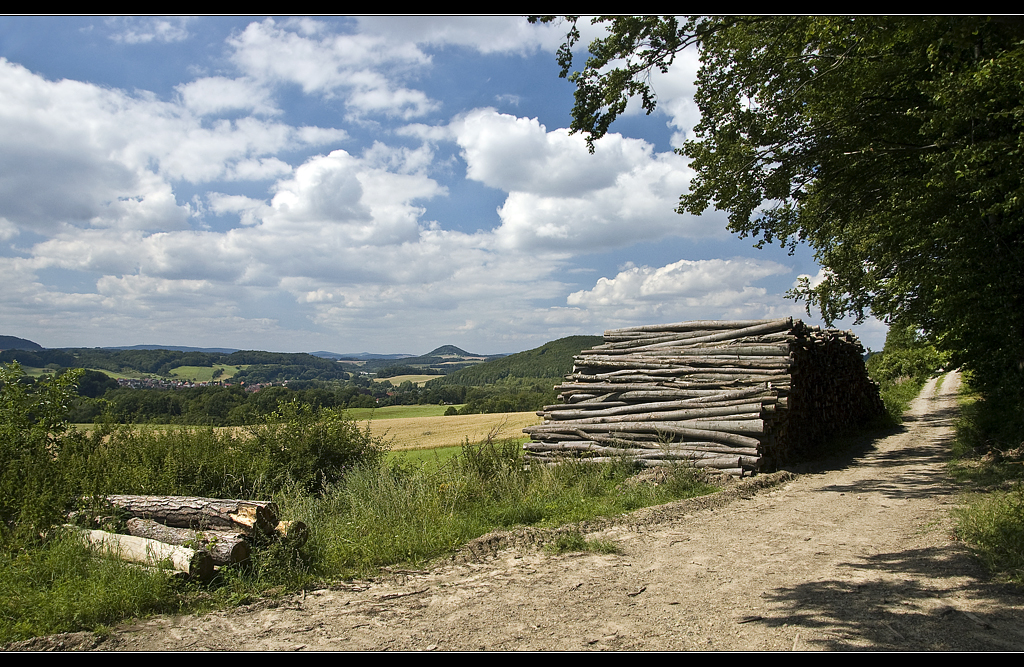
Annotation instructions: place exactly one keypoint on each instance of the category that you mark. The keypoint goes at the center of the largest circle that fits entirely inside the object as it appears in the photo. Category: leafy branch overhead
(891, 146)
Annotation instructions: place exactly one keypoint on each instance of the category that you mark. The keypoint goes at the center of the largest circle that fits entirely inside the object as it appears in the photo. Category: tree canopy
(892, 146)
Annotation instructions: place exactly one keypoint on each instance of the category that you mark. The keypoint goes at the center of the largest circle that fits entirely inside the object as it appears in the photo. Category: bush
(314, 449)
(33, 431)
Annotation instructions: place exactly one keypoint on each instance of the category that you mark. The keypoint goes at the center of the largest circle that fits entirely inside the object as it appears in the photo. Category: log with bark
(201, 513)
(225, 548)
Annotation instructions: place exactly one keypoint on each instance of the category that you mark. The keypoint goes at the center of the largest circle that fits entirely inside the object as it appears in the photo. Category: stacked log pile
(192, 534)
(737, 396)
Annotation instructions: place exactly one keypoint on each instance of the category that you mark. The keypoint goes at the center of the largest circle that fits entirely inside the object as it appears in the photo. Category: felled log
(194, 562)
(225, 548)
(201, 513)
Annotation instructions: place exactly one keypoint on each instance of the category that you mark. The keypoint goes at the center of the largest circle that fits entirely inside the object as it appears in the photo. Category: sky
(385, 184)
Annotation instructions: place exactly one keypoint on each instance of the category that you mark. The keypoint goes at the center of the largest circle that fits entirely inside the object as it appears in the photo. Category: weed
(988, 461)
(993, 525)
(571, 541)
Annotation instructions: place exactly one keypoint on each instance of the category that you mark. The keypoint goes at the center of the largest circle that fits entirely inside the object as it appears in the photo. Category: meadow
(367, 505)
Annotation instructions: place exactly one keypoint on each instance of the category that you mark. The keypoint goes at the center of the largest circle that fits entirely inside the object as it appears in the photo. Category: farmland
(451, 431)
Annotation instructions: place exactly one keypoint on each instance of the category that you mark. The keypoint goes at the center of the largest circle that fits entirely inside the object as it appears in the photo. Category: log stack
(739, 396)
(192, 534)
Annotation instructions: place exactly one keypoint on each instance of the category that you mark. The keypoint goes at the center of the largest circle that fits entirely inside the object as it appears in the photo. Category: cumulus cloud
(561, 197)
(363, 68)
(486, 34)
(216, 94)
(687, 289)
(77, 153)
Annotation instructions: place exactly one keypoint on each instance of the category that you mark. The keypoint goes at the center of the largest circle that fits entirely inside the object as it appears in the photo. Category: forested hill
(445, 359)
(551, 360)
(15, 343)
(260, 366)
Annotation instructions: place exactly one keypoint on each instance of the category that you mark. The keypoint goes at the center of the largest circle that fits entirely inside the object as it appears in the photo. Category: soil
(855, 553)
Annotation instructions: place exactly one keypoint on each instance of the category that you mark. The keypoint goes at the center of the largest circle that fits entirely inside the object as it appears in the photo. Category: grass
(60, 586)
(988, 463)
(405, 509)
(435, 457)
(205, 373)
(397, 412)
(898, 395)
(572, 541)
(408, 514)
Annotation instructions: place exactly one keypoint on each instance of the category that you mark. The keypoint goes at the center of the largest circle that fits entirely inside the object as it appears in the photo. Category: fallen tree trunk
(195, 563)
(225, 548)
(201, 513)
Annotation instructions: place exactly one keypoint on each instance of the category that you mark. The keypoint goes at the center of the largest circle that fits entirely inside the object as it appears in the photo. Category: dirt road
(854, 556)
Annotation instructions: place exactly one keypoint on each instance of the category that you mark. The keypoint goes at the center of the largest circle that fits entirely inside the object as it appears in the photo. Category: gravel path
(855, 555)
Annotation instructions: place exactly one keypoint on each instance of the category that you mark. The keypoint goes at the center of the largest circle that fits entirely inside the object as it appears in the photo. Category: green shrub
(33, 432)
(315, 449)
(993, 526)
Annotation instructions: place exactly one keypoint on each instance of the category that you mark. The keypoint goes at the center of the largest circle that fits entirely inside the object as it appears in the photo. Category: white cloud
(142, 30)
(685, 290)
(217, 94)
(8, 230)
(563, 198)
(78, 153)
(364, 68)
(486, 34)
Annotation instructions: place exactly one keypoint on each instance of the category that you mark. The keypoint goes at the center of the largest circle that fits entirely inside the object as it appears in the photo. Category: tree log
(201, 513)
(225, 548)
(196, 563)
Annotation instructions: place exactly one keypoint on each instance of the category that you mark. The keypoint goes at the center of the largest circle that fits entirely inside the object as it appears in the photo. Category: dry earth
(856, 554)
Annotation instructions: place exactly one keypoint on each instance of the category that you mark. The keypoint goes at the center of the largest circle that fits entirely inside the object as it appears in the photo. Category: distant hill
(451, 350)
(15, 343)
(358, 356)
(176, 348)
(551, 360)
(445, 359)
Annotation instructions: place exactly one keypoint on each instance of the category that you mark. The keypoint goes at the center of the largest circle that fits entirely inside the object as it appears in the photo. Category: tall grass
(364, 509)
(411, 514)
(988, 461)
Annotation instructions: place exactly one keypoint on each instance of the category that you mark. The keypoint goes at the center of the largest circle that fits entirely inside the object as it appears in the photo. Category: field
(418, 380)
(397, 411)
(430, 432)
(205, 373)
(415, 427)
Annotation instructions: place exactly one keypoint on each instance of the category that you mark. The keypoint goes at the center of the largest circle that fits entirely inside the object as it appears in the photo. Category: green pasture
(206, 373)
(398, 411)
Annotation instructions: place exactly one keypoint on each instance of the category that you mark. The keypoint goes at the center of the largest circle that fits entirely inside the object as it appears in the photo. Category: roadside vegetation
(988, 455)
(989, 463)
(902, 368)
(365, 506)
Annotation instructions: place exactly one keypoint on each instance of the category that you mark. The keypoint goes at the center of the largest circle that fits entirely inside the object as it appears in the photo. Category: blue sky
(381, 184)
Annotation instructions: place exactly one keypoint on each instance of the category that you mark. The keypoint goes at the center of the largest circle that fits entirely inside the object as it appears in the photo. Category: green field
(205, 373)
(398, 411)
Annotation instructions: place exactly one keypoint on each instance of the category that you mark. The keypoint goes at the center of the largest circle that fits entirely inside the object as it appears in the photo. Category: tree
(892, 146)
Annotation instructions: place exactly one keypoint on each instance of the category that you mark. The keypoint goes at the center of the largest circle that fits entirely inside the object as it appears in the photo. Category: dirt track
(857, 555)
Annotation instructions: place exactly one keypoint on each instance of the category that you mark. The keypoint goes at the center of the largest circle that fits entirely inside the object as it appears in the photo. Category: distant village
(156, 383)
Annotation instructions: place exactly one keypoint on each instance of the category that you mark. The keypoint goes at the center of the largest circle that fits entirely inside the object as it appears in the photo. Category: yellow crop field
(407, 433)
(451, 431)
(418, 380)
